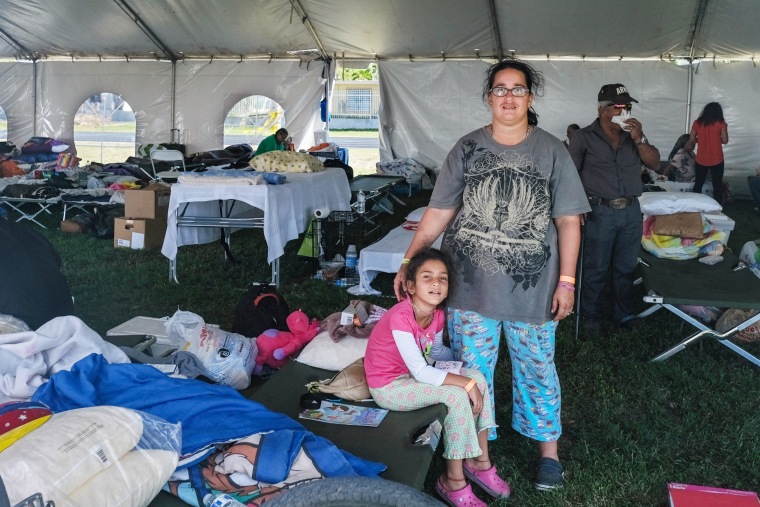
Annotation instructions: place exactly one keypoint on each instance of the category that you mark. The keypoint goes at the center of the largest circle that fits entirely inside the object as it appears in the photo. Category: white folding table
(197, 214)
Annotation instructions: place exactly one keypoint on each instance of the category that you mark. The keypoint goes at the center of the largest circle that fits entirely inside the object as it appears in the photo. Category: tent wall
(205, 92)
(427, 106)
(17, 100)
(64, 86)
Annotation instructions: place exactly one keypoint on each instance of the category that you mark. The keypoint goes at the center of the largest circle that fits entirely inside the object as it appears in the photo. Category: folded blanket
(231, 177)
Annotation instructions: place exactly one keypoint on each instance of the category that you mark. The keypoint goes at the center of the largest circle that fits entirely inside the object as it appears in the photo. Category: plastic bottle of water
(361, 202)
(351, 259)
(221, 500)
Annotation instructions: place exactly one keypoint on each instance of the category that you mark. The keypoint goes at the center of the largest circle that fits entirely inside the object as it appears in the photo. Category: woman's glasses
(627, 107)
(518, 91)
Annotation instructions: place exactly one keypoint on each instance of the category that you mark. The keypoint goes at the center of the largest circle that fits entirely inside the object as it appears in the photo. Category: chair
(165, 156)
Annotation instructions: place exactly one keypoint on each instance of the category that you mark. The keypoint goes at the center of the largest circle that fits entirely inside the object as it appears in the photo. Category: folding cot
(689, 282)
(391, 442)
(20, 203)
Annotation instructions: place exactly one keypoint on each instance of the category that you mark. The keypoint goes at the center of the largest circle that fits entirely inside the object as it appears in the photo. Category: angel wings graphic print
(506, 210)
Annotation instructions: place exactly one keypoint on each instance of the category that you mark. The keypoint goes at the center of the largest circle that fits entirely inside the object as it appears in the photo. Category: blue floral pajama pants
(536, 395)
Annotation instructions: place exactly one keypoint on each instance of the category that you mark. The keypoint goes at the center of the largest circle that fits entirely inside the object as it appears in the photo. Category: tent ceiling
(367, 29)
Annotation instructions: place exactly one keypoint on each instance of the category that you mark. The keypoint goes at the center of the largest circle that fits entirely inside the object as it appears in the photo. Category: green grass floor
(630, 426)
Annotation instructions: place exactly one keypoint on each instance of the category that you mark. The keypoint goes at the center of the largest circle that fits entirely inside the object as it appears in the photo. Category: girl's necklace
(419, 314)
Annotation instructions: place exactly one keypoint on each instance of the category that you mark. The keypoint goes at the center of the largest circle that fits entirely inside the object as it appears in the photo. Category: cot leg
(173, 271)
(276, 272)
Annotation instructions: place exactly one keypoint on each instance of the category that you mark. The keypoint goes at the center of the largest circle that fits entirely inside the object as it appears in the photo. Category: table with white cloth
(198, 213)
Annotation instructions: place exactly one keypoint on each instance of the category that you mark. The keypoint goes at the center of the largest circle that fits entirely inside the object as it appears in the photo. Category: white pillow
(667, 203)
(323, 352)
(59, 148)
(416, 215)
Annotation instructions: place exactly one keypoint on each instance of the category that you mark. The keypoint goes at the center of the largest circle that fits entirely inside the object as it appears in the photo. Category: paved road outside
(124, 137)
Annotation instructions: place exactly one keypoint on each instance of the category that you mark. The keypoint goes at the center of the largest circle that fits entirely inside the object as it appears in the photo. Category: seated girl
(401, 375)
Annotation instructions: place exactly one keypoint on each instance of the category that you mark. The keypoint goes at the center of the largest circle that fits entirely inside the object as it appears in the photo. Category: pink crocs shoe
(459, 498)
(489, 480)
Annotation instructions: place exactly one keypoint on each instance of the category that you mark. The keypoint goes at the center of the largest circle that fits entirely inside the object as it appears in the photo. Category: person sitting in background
(275, 142)
(570, 129)
(680, 166)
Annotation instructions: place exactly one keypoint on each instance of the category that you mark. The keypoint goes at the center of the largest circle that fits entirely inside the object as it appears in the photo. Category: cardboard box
(147, 202)
(139, 233)
(356, 315)
(720, 222)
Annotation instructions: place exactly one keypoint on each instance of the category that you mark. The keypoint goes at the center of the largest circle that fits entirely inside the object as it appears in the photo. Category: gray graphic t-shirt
(503, 241)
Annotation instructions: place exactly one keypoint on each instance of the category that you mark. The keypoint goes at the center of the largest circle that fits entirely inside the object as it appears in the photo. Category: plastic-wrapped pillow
(286, 162)
(667, 203)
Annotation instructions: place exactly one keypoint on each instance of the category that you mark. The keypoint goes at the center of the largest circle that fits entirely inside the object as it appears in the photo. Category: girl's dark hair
(680, 142)
(711, 113)
(533, 79)
(424, 255)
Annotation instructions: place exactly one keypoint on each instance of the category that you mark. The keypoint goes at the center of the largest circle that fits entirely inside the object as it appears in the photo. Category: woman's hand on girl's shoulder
(399, 282)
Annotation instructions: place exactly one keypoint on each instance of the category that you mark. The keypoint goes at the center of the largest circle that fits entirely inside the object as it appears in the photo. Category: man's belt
(619, 203)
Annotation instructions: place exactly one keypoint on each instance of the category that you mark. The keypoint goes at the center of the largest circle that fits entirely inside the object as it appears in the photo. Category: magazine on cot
(341, 413)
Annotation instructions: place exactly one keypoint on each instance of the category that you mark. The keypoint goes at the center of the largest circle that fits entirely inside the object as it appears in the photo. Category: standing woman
(710, 132)
(510, 200)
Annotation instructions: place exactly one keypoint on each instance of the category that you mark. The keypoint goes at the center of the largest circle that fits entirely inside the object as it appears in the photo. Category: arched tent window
(251, 120)
(104, 129)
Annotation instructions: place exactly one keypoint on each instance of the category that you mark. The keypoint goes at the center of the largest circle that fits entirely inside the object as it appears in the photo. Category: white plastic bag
(228, 357)
(749, 255)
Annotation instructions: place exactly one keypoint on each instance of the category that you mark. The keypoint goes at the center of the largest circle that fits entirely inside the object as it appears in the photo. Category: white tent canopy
(183, 64)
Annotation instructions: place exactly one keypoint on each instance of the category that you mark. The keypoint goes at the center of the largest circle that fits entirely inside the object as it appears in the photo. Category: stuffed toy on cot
(275, 346)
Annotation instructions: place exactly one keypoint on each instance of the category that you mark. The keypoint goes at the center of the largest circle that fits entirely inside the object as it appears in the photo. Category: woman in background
(710, 132)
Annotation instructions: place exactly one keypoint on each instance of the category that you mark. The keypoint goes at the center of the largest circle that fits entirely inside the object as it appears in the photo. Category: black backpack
(262, 307)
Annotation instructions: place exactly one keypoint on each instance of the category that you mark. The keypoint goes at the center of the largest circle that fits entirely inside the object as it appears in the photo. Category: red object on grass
(687, 495)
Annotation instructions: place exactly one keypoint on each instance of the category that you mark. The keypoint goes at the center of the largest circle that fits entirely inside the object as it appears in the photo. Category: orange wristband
(568, 279)
(472, 383)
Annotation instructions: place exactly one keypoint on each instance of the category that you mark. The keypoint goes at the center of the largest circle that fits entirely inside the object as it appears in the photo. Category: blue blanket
(209, 414)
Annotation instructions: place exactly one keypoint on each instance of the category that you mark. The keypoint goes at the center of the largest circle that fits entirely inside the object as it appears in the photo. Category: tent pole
(174, 99)
(34, 98)
(687, 126)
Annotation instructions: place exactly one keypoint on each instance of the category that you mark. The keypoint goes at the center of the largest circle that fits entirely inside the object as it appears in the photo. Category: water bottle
(221, 500)
(361, 202)
(351, 259)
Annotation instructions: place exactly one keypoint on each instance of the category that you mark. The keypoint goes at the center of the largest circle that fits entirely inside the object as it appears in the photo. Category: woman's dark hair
(533, 79)
(424, 255)
(711, 113)
(680, 142)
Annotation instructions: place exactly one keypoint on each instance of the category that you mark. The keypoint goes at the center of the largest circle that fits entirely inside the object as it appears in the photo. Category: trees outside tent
(252, 119)
(104, 129)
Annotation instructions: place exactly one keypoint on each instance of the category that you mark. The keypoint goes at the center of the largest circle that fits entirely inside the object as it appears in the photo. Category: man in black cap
(609, 154)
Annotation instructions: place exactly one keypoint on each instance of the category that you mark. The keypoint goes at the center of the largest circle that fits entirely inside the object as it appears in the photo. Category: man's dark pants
(613, 239)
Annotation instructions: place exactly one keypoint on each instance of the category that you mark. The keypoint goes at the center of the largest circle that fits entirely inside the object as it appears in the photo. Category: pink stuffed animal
(275, 345)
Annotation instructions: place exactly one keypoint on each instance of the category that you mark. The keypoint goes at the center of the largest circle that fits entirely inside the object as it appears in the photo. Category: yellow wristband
(405, 260)
(472, 383)
(568, 279)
